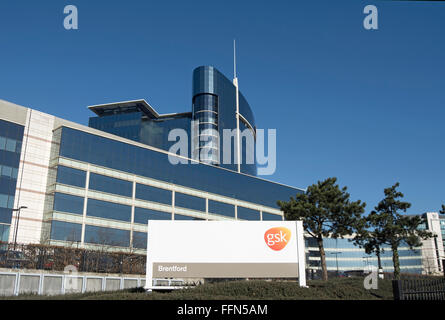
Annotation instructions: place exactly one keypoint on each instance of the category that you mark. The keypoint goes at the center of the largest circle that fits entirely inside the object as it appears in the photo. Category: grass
(334, 289)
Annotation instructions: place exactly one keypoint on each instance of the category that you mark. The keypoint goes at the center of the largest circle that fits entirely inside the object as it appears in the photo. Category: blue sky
(367, 107)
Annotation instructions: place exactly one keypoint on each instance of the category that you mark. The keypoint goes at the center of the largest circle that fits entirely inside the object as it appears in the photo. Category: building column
(85, 204)
(133, 198)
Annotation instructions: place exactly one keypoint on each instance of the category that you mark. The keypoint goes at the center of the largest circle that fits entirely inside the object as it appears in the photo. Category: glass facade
(118, 163)
(205, 113)
(124, 185)
(138, 127)
(213, 105)
(344, 255)
(213, 91)
(11, 137)
(89, 148)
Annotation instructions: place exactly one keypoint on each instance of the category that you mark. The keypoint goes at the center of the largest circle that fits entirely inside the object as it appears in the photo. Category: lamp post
(336, 258)
(367, 263)
(17, 223)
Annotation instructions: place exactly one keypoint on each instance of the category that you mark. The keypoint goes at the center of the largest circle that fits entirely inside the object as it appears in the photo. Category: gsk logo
(277, 238)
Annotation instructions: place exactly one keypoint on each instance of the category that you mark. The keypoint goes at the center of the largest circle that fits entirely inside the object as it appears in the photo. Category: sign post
(225, 249)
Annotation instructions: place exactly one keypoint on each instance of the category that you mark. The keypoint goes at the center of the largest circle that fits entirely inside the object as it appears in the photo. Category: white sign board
(225, 249)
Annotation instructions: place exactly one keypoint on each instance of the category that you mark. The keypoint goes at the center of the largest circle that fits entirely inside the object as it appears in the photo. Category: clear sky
(365, 106)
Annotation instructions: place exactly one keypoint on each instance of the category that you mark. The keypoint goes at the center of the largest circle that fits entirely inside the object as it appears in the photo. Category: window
(15, 172)
(248, 214)
(68, 203)
(221, 208)
(110, 185)
(271, 217)
(5, 215)
(182, 217)
(107, 236)
(4, 233)
(6, 171)
(143, 215)
(70, 176)
(139, 240)
(153, 194)
(108, 210)
(190, 202)
(9, 172)
(66, 231)
(6, 201)
(11, 144)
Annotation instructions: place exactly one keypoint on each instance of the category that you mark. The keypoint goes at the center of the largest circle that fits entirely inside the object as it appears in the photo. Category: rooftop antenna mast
(234, 59)
(235, 83)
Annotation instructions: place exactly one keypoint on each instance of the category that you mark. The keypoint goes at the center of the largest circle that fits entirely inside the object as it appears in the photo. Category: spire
(235, 83)
(234, 59)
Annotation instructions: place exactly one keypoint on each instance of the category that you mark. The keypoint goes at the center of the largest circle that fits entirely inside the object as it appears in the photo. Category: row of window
(72, 232)
(108, 210)
(11, 145)
(148, 163)
(339, 244)
(11, 136)
(332, 264)
(362, 254)
(8, 172)
(107, 184)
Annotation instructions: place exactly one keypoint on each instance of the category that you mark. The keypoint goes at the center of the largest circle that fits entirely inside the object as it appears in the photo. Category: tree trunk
(379, 263)
(324, 269)
(379, 260)
(395, 261)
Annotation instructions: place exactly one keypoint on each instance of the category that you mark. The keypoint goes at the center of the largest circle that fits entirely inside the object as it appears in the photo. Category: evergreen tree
(387, 226)
(326, 211)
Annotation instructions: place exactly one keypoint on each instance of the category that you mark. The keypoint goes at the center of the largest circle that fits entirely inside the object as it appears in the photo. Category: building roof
(132, 106)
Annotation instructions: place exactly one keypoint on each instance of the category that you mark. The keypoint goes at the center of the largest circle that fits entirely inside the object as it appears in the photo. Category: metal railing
(430, 289)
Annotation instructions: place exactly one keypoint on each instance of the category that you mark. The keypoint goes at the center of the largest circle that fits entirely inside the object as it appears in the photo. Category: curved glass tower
(205, 116)
(212, 123)
(214, 105)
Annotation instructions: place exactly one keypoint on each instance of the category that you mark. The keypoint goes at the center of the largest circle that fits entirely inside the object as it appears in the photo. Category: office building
(97, 186)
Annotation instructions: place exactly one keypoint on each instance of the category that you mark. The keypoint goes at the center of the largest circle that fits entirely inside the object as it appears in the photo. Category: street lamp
(17, 223)
(336, 258)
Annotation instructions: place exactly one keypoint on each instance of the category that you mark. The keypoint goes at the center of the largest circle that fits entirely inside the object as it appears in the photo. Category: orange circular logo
(277, 238)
